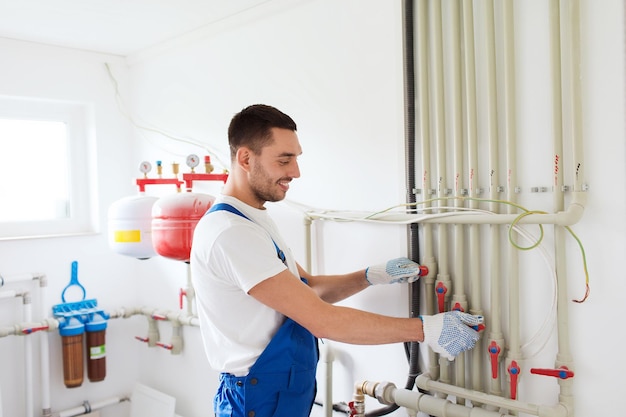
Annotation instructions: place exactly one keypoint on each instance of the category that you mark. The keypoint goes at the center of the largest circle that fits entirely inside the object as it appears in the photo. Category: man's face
(272, 170)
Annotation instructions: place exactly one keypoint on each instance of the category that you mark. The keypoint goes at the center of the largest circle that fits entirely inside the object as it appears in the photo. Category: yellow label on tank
(127, 236)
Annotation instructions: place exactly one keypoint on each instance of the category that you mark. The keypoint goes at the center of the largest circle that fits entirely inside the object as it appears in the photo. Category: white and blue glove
(399, 270)
(451, 333)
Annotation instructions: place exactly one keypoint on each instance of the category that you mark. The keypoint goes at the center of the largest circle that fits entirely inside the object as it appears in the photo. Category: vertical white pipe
(469, 127)
(423, 133)
(44, 351)
(508, 126)
(307, 244)
(495, 327)
(28, 357)
(436, 94)
(454, 131)
(571, 101)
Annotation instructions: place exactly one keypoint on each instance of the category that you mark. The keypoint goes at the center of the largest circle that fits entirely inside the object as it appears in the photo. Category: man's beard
(263, 188)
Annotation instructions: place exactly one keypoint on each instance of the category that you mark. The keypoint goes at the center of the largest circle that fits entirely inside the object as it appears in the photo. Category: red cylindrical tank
(174, 219)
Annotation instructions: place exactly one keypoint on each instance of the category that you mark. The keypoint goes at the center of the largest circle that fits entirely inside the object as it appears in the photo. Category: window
(44, 168)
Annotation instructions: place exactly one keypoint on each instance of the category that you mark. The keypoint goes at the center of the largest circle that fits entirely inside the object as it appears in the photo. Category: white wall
(336, 68)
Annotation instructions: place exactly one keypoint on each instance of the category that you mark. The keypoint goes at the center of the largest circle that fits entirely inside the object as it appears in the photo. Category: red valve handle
(561, 372)
(457, 307)
(494, 351)
(158, 317)
(423, 270)
(164, 345)
(181, 294)
(514, 371)
(441, 291)
(142, 339)
(34, 329)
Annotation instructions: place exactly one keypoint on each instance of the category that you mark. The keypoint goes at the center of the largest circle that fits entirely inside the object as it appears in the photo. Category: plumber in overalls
(260, 313)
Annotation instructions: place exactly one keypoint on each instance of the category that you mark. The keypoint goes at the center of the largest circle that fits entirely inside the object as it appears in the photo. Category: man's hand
(451, 333)
(399, 270)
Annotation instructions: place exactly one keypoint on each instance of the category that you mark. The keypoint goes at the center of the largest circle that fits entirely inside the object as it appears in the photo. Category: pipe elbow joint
(574, 211)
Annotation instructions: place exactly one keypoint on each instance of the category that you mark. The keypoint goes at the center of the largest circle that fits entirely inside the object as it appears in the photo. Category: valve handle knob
(561, 372)
(164, 345)
(441, 291)
(494, 352)
(181, 294)
(457, 307)
(514, 371)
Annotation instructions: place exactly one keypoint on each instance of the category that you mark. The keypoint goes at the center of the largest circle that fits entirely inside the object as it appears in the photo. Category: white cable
(543, 334)
(122, 108)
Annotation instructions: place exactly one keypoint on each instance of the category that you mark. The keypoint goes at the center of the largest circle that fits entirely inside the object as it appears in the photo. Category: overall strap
(228, 207)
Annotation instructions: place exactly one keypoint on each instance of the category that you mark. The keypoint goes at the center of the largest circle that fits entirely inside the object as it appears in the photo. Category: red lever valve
(182, 293)
(441, 291)
(34, 329)
(494, 352)
(562, 372)
(514, 371)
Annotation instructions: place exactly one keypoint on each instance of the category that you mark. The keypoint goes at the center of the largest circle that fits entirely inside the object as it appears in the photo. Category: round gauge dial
(145, 167)
(193, 161)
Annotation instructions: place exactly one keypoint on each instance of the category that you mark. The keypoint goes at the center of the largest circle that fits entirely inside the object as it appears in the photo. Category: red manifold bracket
(142, 182)
(190, 177)
(562, 372)
(514, 371)
(441, 291)
(494, 352)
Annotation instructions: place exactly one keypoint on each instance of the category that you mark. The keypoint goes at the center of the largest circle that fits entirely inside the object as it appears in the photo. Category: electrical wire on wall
(214, 153)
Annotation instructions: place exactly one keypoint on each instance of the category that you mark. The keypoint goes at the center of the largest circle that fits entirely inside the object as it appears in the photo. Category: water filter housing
(130, 226)
(174, 219)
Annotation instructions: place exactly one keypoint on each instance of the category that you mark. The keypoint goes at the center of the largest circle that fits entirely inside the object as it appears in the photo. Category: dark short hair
(252, 127)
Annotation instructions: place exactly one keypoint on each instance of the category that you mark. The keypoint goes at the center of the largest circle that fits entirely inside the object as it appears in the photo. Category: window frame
(78, 118)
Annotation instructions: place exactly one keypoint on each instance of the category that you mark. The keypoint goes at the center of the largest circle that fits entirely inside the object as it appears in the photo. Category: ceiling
(118, 27)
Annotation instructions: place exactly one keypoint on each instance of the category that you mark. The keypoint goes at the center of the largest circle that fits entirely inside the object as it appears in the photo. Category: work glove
(399, 270)
(451, 333)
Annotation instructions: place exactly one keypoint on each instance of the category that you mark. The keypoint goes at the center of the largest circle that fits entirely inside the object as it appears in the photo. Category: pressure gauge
(145, 167)
(193, 161)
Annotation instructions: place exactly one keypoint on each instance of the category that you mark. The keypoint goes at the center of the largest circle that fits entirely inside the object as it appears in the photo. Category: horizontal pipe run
(23, 329)
(7, 279)
(86, 407)
(426, 383)
(50, 324)
(387, 393)
(568, 217)
(172, 316)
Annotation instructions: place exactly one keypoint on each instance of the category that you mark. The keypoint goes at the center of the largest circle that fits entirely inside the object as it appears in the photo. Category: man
(260, 312)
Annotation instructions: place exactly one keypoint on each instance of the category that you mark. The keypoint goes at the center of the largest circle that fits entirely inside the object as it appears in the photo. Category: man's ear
(243, 158)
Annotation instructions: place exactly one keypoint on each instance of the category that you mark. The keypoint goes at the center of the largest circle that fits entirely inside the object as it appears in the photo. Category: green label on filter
(97, 352)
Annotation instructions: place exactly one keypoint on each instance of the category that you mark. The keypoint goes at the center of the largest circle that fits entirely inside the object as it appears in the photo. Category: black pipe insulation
(412, 348)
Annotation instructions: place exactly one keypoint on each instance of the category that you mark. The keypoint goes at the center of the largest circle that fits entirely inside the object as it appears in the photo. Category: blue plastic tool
(74, 282)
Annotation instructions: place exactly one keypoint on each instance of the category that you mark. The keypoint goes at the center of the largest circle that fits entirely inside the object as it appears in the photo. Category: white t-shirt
(229, 256)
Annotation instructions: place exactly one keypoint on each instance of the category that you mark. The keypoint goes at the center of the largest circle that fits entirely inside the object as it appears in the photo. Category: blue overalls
(281, 383)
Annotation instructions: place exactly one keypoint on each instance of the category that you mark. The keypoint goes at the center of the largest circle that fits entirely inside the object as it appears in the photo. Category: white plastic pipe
(44, 351)
(387, 393)
(515, 406)
(28, 355)
(436, 94)
(423, 135)
(504, 11)
(89, 407)
(327, 356)
(469, 127)
(454, 134)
